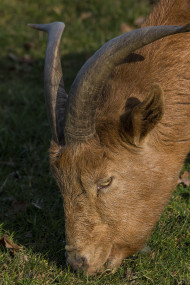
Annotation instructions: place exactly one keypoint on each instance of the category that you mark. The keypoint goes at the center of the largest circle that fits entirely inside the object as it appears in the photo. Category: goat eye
(105, 184)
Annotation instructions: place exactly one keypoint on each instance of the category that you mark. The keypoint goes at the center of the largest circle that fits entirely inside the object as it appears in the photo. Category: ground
(31, 211)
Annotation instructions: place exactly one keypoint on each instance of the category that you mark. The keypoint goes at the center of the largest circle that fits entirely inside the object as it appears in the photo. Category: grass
(31, 209)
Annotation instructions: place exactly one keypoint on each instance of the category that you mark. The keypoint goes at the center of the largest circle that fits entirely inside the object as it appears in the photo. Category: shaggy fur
(142, 138)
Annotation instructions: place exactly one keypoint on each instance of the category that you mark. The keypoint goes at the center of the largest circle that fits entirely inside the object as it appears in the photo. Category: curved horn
(56, 96)
(81, 107)
(79, 121)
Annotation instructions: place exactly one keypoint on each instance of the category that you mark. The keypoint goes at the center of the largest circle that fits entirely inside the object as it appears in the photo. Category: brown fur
(140, 142)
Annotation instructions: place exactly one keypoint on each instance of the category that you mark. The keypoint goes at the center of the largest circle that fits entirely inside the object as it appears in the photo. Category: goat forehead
(82, 169)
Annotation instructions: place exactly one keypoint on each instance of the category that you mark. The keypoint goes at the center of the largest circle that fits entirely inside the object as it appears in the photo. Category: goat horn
(56, 96)
(89, 82)
(73, 120)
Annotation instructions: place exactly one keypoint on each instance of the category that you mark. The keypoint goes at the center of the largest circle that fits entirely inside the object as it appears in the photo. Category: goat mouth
(113, 261)
(106, 268)
(101, 269)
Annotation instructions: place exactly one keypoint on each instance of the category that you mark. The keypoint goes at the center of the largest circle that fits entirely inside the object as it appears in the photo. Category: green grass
(25, 180)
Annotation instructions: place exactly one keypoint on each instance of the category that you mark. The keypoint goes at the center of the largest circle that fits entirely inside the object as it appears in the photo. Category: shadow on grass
(31, 204)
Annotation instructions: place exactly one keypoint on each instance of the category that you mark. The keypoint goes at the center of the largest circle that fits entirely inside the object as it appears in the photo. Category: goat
(121, 136)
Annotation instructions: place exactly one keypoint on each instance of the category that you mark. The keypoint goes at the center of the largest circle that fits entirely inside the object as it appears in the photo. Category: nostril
(84, 260)
(79, 260)
(76, 260)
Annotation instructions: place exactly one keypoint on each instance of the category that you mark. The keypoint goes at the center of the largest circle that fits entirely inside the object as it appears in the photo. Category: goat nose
(76, 260)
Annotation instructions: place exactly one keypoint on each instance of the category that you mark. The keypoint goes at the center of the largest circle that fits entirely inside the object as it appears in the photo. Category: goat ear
(141, 117)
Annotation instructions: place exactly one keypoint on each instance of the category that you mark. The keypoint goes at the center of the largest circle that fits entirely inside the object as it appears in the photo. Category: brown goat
(121, 137)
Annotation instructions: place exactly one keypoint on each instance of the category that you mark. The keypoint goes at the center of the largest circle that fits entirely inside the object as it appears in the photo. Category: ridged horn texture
(77, 122)
(55, 94)
(88, 85)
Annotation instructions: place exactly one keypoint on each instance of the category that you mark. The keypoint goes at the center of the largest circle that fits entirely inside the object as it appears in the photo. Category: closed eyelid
(105, 183)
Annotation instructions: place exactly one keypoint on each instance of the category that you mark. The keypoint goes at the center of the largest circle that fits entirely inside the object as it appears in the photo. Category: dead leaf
(139, 21)
(16, 207)
(185, 178)
(58, 9)
(8, 244)
(5, 266)
(128, 272)
(125, 28)
(23, 258)
(27, 59)
(19, 206)
(12, 57)
(29, 46)
(37, 205)
(85, 15)
(130, 275)
(146, 250)
(5, 182)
